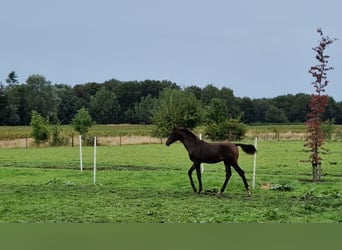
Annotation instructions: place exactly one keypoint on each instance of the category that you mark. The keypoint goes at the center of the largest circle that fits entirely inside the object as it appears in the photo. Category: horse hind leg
(243, 177)
(228, 175)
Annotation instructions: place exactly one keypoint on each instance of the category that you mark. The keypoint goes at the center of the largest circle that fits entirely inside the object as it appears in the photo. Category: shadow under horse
(204, 152)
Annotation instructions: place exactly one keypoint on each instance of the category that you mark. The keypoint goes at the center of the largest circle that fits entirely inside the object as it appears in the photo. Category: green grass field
(149, 183)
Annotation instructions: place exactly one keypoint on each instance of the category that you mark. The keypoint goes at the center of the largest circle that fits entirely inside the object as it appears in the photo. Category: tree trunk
(316, 171)
(319, 171)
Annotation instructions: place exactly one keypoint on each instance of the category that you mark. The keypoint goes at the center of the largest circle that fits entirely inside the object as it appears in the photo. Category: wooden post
(319, 171)
(315, 171)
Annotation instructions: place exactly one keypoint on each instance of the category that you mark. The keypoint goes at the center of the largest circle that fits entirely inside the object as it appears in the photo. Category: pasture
(149, 183)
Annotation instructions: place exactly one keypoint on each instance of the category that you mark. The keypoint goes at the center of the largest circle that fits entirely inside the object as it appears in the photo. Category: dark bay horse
(203, 152)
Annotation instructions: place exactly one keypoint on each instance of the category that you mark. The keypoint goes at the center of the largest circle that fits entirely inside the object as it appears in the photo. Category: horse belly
(212, 157)
(211, 161)
(215, 155)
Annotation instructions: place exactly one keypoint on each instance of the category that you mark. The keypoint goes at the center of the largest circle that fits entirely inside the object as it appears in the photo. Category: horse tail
(247, 148)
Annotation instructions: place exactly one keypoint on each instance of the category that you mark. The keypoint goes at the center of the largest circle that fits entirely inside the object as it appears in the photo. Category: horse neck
(189, 141)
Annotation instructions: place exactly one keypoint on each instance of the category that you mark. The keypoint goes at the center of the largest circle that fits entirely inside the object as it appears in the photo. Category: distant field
(16, 132)
(149, 183)
(289, 132)
(20, 136)
(8, 132)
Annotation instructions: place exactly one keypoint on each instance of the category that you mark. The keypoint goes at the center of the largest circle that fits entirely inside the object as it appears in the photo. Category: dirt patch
(128, 140)
(272, 136)
(17, 143)
(266, 186)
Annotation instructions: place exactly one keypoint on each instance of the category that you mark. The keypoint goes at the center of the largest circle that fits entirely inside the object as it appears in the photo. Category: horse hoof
(219, 193)
(249, 193)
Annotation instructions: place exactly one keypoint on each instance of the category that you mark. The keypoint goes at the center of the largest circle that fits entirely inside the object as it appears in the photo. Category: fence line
(133, 140)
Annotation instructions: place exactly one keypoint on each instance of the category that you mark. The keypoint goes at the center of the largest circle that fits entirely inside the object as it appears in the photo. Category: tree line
(138, 102)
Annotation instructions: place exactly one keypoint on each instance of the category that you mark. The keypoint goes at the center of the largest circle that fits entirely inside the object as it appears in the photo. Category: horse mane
(190, 133)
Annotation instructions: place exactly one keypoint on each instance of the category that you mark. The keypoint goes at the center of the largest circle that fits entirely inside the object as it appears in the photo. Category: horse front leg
(190, 177)
(199, 178)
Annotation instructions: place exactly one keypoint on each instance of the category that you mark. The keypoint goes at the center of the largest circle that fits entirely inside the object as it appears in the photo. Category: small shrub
(82, 121)
(309, 194)
(282, 187)
(57, 139)
(231, 129)
(40, 128)
(54, 181)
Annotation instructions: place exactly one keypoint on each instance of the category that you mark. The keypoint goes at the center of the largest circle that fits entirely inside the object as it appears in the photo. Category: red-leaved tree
(318, 103)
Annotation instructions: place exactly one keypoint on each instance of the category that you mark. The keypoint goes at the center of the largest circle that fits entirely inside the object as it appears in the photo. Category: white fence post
(254, 165)
(202, 166)
(95, 160)
(81, 160)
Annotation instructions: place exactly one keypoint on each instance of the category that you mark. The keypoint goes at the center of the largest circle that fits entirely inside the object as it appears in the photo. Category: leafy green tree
(130, 93)
(143, 111)
(68, 105)
(295, 107)
(18, 103)
(249, 110)
(232, 103)
(231, 129)
(40, 128)
(275, 115)
(338, 113)
(216, 111)
(9, 116)
(3, 104)
(209, 92)
(219, 127)
(41, 95)
(84, 92)
(333, 111)
(57, 139)
(236, 129)
(261, 107)
(12, 78)
(176, 108)
(82, 121)
(153, 88)
(197, 91)
(104, 107)
(299, 108)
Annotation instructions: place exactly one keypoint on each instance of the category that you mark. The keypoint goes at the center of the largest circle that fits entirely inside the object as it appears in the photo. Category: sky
(257, 48)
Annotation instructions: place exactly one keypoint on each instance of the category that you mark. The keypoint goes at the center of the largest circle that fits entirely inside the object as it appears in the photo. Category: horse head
(175, 135)
(180, 134)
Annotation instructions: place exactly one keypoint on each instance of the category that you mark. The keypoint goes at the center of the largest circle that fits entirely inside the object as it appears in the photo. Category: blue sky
(257, 48)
